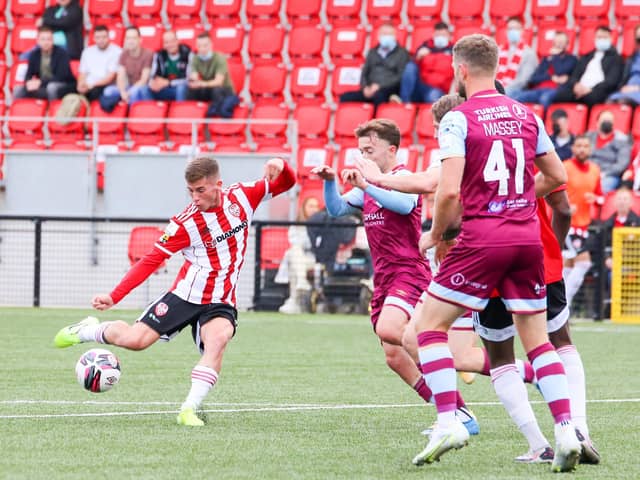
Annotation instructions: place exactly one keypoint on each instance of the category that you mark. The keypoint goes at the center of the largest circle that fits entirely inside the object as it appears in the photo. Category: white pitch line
(282, 408)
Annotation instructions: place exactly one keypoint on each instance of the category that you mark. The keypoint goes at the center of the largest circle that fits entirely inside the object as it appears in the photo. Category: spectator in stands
(597, 74)
(429, 75)
(584, 191)
(133, 72)
(631, 176)
(169, 71)
(561, 136)
(298, 260)
(209, 79)
(611, 151)
(49, 73)
(629, 88)
(517, 60)
(624, 216)
(382, 70)
(98, 64)
(65, 19)
(550, 74)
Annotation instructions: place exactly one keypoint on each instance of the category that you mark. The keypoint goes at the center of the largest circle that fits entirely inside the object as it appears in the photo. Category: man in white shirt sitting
(98, 64)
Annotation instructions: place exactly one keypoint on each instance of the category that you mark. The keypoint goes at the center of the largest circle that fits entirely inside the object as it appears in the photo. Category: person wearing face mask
(611, 151)
(629, 88)
(561, 137)
(209, 80)
(517, 60)
(597, 74)
(429, 75)
(553, 71)
(382, 70)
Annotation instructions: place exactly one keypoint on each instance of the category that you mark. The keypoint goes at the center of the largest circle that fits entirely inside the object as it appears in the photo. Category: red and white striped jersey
(213, 244)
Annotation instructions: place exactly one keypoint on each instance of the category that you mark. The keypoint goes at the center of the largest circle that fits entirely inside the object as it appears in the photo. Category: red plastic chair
(105, 11)
(23, 39)
(348, 116)
(422, 13)
(419, 36)
(621, 117)
(238, 74)
(147, 11)
(182, 133)
(308, 84)
(310, 158)
(274, 242)
(263, 12)
(112, 132)
(537, 109)
(345, 78)
(500, 11)
(313, 125)
(265, 44)
(70, 132)
(3, 78)
(306, 44)
(187, 34)
(183, 12)
(404, 115)
(311, 187)
(545, 13)
(346, 45)
(467, 13)
(408, 156)
(462, 30)
(587, 36)
(627, 13)
(424, 124)
(266, 83)
(151, 35)
(545, 39)
(230, 132)
(228, 40)
(340, 13)
(303, 12)
(147, 131)
(223, 12)
(576, 112)
(4, 33)
(379, 12)
(635, 126)
(590, 12)
(26, 11)
(141, 241)
(628, 38)
(27, 130)
(272, 134)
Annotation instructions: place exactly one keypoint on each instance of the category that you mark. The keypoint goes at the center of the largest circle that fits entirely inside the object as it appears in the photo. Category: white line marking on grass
(276, 408)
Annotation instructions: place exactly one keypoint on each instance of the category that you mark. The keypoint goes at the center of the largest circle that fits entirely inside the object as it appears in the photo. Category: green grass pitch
(299, 397)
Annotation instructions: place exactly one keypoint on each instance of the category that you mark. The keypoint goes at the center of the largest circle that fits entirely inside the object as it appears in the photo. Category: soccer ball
(98, 370)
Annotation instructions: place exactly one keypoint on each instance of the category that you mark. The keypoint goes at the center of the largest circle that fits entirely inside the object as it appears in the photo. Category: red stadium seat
(347, 157)
(267, 82)
(265, 44)
(343, 13)
(408, 156)
(537, 109)
(424, 125)
(26, 11)
(628, 38)
(182, 133)
(231, 131)
(223, 12)
(105, 11)
(27, 130)
(274, 242)
(75, 67)
(421, 13)
(17, 74)
(627, 12)
(149, 130)
(151, 35)
(346, 45)
(183, 12)
(23, 39)
(348, 116)
(306, 44)
(313, 125)
(467, 13)
(78, 146)
(587, 37)
(69, 133)
(303, 12)
(141, 241)
(237, 72)
(147, 11)
(419, 36)
(591, 12)
(187, 34)
(576, 112)
(4, 32)
(310, 158)
(462, 30)
(621, 114)
(545, 39)
(635, 126)
(111, 132)
(546, 13)
(27, 145)
(401, 36)
(263, 12)
(273, 134)
(232, 148)
(311, 187)
(345, 79)
(308, 85)
(228, 40)
(404, 115)
(3, 77)
(383, 11)
(500, 11)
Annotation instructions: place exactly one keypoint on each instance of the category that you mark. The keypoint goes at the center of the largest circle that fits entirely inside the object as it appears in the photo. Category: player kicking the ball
(212, 234)
(392, 223)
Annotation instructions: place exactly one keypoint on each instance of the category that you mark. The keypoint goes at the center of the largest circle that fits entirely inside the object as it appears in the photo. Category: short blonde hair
(201, 167)
(478, 52)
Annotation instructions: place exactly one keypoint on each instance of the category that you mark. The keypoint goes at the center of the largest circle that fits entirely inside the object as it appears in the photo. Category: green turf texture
(276, 362)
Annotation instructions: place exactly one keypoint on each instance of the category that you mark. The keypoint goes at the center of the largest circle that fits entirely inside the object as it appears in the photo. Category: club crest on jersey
(519, 111)
(169, 232)
(496, 207)
(161, 309)
(234, 209)
(457, 279)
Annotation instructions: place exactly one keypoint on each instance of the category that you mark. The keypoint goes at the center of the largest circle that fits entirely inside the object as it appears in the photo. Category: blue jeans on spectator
(111, 96)
(413, 89)
(610, 183)
(543, 96)
(170, 93)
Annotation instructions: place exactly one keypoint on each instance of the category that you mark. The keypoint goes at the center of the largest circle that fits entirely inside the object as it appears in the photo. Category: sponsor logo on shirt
(169, 232)
(496, 207)
(519, 111)
(375, 218)
(540, 289)
(225, 235)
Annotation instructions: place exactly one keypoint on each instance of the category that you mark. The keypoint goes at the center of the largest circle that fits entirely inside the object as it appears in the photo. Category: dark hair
(132, 27)
(45, 28)
(559, 113)
(604, 28)
(441, 26)
(582, 136)
(203, 35)
(499, 87)
(201, 167)
(382, 128)
(100, 28)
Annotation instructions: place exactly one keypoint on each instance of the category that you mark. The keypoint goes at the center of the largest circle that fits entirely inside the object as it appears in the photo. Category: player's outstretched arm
(420, 182)
(399, 202)
(102, 302)
(552, 173)
(337, 205)
(280, 176)
(137, 274)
